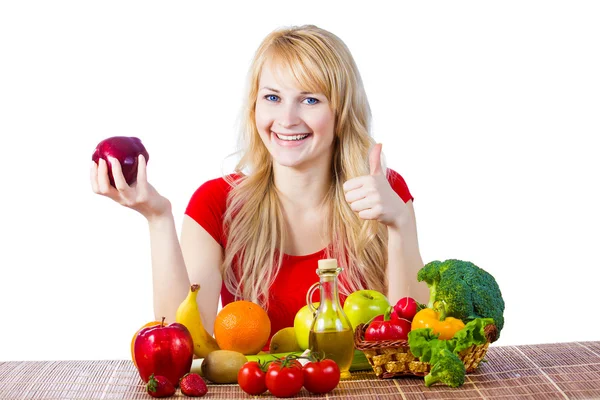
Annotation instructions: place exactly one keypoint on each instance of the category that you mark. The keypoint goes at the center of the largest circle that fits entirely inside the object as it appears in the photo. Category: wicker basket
(392, 358)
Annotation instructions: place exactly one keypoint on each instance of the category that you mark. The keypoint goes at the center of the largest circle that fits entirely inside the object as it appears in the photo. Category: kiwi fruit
(222, 366)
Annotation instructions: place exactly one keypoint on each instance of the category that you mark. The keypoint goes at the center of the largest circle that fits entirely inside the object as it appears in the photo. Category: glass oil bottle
(331, 331)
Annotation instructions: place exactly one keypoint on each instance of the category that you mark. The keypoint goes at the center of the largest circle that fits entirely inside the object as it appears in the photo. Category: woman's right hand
(140, 196)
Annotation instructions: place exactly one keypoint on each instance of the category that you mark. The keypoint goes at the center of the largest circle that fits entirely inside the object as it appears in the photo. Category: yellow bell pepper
(429, 318)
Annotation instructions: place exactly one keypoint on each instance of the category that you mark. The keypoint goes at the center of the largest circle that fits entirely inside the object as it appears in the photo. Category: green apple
(302, 323)
(363, 305)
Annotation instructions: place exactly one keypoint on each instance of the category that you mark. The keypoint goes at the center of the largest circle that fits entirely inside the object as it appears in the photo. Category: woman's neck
(302, 190)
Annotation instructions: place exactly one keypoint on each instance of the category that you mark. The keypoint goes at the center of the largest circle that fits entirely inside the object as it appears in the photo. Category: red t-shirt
(297, 273)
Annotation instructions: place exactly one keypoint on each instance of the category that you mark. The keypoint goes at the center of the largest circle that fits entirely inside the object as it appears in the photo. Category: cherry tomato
(284, 378)
(251, 378)
(321, 376)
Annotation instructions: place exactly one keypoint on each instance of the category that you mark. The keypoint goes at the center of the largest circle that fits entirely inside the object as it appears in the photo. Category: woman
(309, 185)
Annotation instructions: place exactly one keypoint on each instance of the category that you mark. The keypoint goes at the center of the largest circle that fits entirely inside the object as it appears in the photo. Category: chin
(288, 162)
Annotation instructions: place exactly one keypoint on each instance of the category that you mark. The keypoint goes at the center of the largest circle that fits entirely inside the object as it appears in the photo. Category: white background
(488, 110)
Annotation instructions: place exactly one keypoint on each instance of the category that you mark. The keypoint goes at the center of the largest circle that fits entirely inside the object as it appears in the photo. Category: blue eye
(311, 101)
(271, 97)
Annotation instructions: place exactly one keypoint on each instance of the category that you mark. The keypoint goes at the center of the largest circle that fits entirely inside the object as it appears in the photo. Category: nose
(289, 116)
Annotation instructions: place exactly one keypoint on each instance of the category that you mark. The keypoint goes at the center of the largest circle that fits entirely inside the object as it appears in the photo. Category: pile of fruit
(464, 300)
(164, 354)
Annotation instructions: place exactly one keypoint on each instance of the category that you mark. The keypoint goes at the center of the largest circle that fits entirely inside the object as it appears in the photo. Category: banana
(189, 315)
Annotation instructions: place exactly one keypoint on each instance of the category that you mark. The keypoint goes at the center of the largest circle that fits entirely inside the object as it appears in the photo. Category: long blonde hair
(321, 63)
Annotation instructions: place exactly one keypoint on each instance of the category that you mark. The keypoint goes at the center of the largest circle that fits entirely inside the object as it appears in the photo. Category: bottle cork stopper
(328, 263)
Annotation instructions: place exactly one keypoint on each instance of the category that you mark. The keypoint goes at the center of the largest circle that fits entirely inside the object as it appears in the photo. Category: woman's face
(297, 127)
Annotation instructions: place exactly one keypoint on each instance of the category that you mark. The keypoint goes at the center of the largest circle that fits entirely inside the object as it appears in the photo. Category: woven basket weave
(392, 358)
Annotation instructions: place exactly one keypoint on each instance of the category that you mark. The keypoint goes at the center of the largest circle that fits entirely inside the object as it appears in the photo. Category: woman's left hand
(372, 197)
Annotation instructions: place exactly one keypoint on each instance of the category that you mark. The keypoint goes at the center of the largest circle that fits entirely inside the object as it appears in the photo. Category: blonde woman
(309, 185)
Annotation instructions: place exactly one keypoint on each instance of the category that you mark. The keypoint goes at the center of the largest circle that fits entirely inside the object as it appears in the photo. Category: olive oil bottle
(330, 332)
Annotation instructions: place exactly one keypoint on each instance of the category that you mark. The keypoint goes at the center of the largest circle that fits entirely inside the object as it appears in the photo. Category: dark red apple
(125, 149)
(164, 350)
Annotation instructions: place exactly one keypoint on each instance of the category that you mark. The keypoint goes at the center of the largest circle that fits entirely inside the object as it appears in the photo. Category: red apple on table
(126, 150)
(363, 305)
(165, 350)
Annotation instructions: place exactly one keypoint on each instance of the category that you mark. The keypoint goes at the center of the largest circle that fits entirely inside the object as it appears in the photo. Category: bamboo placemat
(545, 371)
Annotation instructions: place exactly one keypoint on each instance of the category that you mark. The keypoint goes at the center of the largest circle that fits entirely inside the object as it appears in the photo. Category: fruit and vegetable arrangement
(441, 340)
(164, 354)
(448, 337)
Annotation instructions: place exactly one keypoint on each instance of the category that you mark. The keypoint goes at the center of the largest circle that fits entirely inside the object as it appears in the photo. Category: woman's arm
(203, 256)
(170, 280)
(404, 259)
(172, 268)
(175, 268)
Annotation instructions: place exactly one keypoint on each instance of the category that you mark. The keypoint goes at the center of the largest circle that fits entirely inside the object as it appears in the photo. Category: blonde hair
(321, 63)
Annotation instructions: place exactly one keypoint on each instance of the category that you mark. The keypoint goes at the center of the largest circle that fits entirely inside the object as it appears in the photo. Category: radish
(406, 308)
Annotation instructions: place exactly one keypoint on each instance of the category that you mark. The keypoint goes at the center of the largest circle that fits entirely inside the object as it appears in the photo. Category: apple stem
(162, 323)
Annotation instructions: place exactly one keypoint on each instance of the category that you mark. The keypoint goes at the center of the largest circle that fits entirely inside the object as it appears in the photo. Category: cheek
(261, 118)
(324, 124)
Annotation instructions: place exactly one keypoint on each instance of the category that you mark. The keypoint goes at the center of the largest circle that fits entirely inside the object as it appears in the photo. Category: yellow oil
(337, 345)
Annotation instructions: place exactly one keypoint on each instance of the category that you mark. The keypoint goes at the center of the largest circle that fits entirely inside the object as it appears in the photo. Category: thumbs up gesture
(372, 197)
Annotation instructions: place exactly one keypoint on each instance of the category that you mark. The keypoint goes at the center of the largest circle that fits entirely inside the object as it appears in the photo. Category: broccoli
(462, 290)
(447, 368)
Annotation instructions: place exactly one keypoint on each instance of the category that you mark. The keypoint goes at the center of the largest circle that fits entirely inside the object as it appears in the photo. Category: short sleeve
(398, 183)
(207, 207)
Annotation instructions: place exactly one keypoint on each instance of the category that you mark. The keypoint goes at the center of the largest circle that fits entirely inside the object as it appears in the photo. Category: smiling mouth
(292, 138)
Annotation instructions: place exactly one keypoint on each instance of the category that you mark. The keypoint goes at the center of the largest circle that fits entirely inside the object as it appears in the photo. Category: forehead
(277, 75)
(293, 73)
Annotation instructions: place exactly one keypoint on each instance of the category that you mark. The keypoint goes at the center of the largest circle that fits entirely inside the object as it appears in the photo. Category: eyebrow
(277, 91)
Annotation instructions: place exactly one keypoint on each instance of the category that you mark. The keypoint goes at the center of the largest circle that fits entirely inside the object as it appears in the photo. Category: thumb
(375, 160)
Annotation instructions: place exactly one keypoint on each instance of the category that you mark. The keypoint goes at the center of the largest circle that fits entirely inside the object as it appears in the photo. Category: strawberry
(159, 386)
(193, 385)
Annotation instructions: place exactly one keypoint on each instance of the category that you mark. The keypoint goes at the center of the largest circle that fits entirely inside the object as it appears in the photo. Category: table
(543, 371)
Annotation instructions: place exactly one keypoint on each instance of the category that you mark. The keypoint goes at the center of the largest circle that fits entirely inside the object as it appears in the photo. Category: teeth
(292, 138)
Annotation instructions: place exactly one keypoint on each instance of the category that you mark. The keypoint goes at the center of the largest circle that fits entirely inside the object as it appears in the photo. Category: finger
(117, 172)
(369, 214)
(103, 182)
(375, 160)
(141, 172)
(353, 184)
(356, 194)
(363, 204)
(94, 177)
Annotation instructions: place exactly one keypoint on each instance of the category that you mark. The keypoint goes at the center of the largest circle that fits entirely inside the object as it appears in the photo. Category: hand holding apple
(164, 350)
(363, 305)
(118, 171)
(126, 150)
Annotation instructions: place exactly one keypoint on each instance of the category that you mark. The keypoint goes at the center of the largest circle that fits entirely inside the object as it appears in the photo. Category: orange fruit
(242, 326)
(135, 335)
